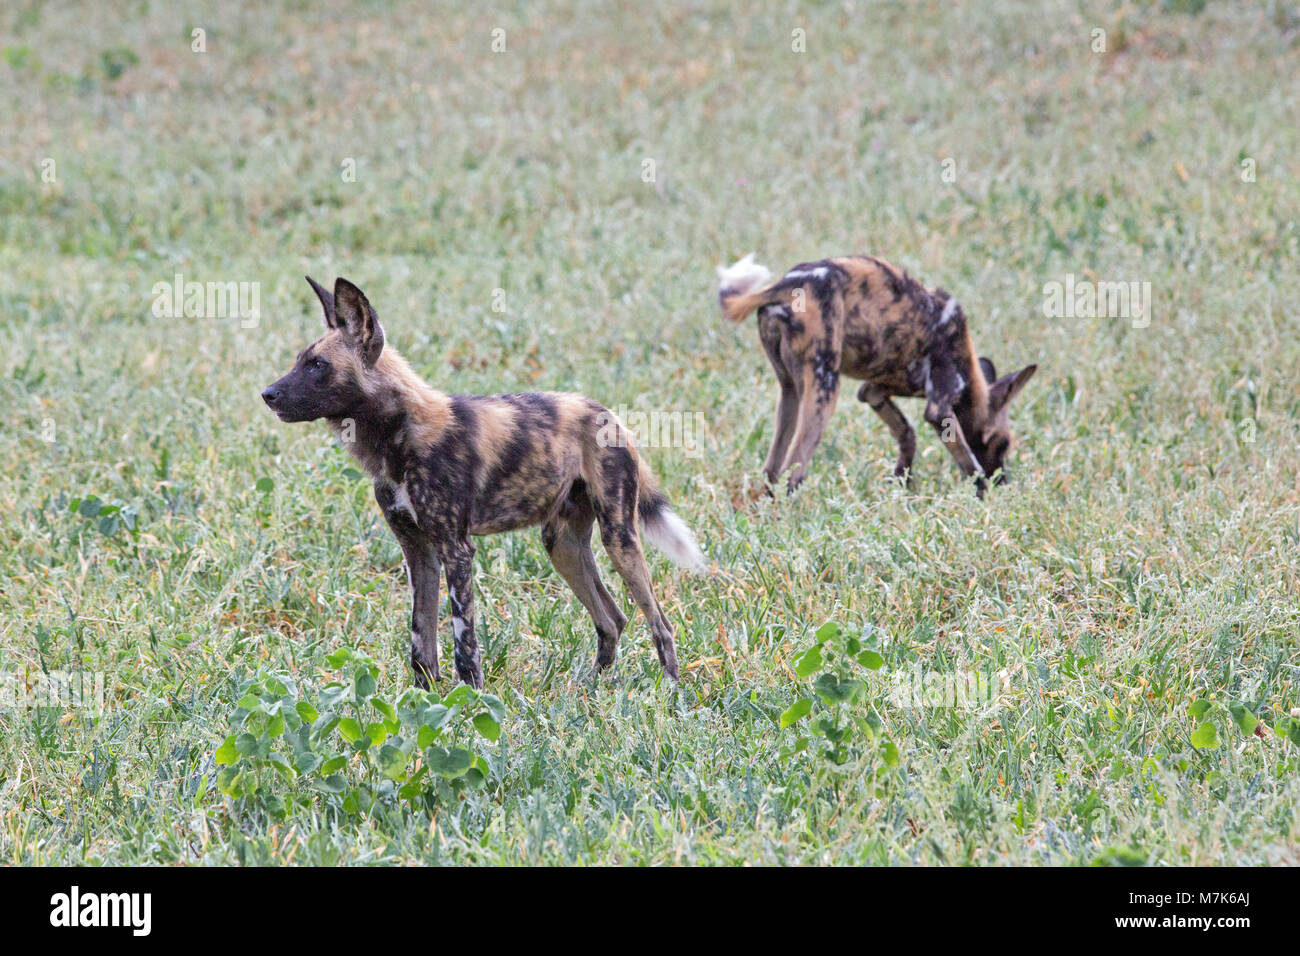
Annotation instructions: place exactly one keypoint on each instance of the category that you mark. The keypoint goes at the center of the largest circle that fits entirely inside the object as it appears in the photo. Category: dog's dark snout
(271, 395)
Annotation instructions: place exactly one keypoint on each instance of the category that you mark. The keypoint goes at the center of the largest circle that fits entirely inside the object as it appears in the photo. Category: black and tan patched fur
(863, 318)
(448, 468)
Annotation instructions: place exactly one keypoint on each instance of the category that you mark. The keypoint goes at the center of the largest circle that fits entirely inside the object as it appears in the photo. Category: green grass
(1146, 556)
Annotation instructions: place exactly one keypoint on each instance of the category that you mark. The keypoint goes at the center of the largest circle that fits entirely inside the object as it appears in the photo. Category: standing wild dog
(861, 317)
(449, 467)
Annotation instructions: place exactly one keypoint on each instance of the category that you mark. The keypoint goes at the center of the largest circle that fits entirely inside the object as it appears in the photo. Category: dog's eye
(318, 364)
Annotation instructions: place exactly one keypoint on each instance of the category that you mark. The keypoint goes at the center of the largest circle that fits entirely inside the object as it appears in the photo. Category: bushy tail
(740, 287)
(662, 528)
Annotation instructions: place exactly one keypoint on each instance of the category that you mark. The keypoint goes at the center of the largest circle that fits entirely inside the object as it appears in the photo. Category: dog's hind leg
(629, 562)
(818, 394)
(568, 542)
(615, 504)
(771, 333)
(884, 406)
(817, 378)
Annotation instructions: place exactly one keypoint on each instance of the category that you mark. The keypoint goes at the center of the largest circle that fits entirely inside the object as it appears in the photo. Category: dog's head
(329, 378)
(989, 433)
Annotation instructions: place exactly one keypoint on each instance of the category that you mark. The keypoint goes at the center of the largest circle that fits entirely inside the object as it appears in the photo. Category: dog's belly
(511, 511)
(892, 361)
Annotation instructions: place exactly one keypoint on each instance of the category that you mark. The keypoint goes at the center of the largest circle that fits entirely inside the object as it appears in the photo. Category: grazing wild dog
(860, 316)
(450, 467)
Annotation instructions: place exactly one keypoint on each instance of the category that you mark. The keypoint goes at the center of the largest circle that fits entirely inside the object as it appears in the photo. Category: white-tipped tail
(669, 534)
(743, 275)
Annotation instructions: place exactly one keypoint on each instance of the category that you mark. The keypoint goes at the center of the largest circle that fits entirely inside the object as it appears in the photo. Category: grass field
(547, 216)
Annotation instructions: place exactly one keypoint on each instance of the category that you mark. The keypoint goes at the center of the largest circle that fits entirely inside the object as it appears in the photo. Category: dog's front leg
(422, 572)
(942, 388)
(458, 558)
(422, 568)
(880, 401)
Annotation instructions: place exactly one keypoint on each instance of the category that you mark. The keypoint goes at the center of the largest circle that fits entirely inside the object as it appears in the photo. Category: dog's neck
(400, 417)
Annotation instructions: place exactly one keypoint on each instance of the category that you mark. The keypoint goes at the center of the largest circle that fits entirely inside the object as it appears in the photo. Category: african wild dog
(860, 316)
(449, 467)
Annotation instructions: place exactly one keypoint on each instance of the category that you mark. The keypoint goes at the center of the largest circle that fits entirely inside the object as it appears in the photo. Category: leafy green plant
(1210, 715)
(1288, 727)
(116, 60)
(351, 747)
(833, 719)
(109, 517)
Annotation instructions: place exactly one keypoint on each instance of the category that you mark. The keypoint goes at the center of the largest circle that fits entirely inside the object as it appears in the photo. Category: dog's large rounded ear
(353, 314)
(990, 373)
(1005, 389)
(326, 302)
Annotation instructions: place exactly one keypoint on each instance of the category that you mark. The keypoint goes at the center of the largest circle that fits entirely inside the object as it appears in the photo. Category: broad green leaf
(1245, 720)
(281, 763)
(426, 736)
(307, 712)
(1206, 736)
(832, 690)
(1198, 708)
(871, 660)
(796, 711)
(265, 484)
(435, 716)
(306, 761)
(246, 744)
(488, 727)
(458, 695)
(392, 762)
(334, 783)
(350, 729)
(226, 779)
(449, 763)
(411, 789)
(333, 764)
(889, 751)
(1289, 727)
(808, 662)
(494, 707)
(828, 631)
(227, 753)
